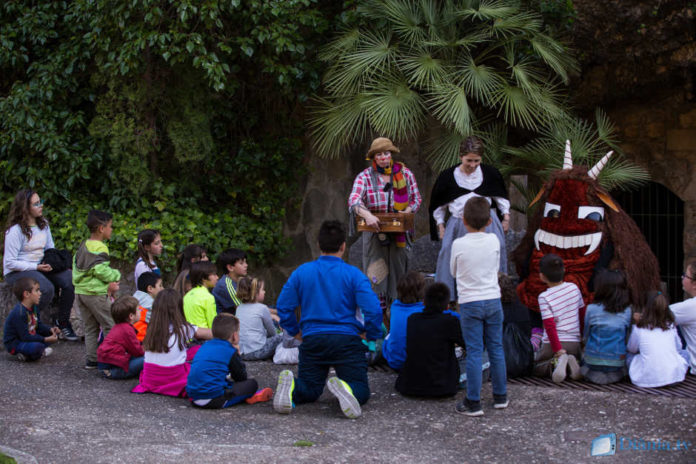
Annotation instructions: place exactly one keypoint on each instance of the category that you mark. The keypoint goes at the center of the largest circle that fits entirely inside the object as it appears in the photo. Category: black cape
(446, 190)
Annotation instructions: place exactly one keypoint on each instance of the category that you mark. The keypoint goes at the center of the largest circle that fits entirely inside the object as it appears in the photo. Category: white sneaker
(341, 390)
(574, 368)
(48, 351)
(559, 372)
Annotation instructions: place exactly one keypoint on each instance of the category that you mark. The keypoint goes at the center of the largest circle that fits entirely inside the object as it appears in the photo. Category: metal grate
(659, 214)
(685, 389)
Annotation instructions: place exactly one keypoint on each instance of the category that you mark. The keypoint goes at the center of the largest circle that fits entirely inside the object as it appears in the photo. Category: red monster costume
(580, 222)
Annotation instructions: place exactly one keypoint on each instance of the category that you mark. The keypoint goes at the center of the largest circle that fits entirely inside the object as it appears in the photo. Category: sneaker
(68, 334)
(282, 400)
(21, 357)
(559, 372)
(500, 401)
(342, 391)
(470, 408)
(89, 365)
(574, 368)
(48, 351)
(260, 396)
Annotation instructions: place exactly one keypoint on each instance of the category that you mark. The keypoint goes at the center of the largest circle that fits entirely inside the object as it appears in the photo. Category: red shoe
(260, 396)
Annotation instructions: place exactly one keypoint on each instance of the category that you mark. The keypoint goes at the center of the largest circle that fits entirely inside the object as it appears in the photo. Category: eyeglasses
(37, 204)
(687, 275)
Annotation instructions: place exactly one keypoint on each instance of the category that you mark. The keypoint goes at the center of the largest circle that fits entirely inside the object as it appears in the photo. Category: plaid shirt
(364, 193)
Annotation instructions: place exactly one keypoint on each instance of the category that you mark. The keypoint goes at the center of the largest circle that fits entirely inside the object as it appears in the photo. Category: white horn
(597, 168)
(568, 159)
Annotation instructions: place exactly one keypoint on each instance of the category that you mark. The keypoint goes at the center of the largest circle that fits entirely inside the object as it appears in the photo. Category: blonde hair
(248, 289)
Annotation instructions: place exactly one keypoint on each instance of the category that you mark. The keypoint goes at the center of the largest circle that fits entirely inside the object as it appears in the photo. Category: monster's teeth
(576, 241)
(596, 238)
(536, 237)
(568, 242)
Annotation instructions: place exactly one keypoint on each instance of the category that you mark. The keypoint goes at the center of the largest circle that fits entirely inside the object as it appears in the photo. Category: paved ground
(55, 411)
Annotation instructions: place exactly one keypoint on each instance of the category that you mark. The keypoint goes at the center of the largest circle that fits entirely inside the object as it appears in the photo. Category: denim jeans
(135, 365)
(482, 324)
(346, 353)
(48, 284)
(32, 350)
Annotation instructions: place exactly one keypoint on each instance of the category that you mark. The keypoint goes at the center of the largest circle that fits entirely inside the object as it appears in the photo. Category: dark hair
(25, 284)
(229, 257)
(656, 314)
(123, 307)
(200, 271)
(96, 219)
(437, 296)
(552, 267)
(332, 234)
(145, 238)
(248, 288)
(508, 288)
(167, 310)
(187, 256)
(224, 325)
(148, 279)
(471, 144)
(477, 212)
(410, 287)
(611, 290)
(19, 213)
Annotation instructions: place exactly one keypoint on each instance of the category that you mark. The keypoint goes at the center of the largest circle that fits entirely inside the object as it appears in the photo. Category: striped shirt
(562, 303)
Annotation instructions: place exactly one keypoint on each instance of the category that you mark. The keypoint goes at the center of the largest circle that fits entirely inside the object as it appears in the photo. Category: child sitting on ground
(233, 265)
(409, 301)
(218, 377)
(561, 308)
(655, 357)
(168, 335)
(431, 367)
(258, 336)
(24, 335)
(149, 285)
(121, 355)
(607, 323)
(199, 303)
(149, 247)
(685, 313)
(192, 254)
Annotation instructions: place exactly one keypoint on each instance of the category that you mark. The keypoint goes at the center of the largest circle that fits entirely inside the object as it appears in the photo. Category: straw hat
(379, 145)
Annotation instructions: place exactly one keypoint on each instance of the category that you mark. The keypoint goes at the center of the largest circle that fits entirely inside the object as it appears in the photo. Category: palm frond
(516, 107)
(344, 43)
(335, 123)
(423, 70)
(487, 10)
(554, 55)
(480, 81)
(443, 149)
(526, 23)
(405, 19)
(449, 104)
(393, 108)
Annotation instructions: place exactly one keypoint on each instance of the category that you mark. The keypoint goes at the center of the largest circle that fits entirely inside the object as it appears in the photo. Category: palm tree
(443, 68)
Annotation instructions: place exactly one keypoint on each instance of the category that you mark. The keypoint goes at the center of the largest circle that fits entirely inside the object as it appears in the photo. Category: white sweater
(474, 264)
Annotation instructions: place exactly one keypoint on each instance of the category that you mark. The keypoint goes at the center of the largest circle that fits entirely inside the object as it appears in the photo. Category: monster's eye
(595, 213)
(552, 211)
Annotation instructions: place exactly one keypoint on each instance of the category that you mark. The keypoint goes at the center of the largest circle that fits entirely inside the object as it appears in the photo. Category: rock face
(638, 63)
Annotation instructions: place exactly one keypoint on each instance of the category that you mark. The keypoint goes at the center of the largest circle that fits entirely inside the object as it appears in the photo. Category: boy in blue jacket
(329, 292)
(207, 384)
(24, 334)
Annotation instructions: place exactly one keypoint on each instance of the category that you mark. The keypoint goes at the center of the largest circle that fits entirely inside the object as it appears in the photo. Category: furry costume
(580, 222)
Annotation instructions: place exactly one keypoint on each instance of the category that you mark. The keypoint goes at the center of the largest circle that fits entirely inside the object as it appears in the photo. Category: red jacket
(120, 346)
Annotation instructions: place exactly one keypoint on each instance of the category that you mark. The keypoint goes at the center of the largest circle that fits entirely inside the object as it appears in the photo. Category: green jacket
(91, 274)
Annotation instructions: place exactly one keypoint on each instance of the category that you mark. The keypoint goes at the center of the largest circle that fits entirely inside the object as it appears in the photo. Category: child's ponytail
(145, 238)
(656, 314)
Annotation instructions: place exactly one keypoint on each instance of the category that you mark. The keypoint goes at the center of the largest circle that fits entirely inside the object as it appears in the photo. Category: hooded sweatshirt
(91, 272)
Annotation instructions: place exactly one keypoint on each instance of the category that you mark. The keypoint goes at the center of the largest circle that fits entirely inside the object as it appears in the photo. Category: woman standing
(385, 187)
(453, 188)
(27, 236)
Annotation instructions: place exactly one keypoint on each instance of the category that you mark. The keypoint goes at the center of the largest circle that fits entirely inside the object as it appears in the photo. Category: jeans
(135, 365)
(482, 324)
(346, 353)
(32, 350)
(239, 391)
(48, 284)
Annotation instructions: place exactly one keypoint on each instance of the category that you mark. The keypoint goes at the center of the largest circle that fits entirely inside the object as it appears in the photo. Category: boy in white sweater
(474, 264)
